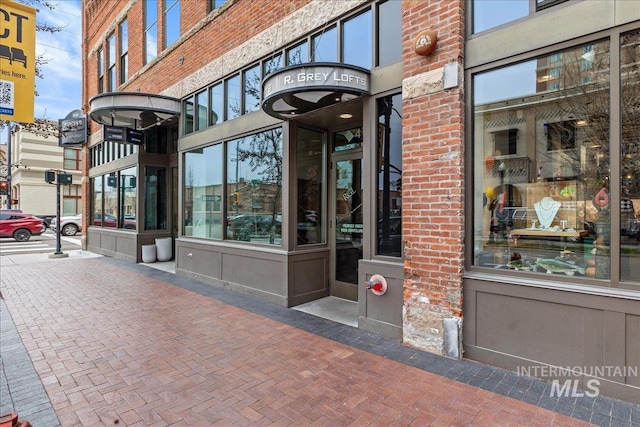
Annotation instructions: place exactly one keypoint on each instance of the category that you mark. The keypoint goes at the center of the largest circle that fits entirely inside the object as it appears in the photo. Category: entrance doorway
(346, 220)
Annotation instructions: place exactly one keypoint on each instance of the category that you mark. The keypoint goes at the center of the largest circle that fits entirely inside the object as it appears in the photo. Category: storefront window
(356, 41)
(542, 170)
(108, 217)
(155, 198)
(389, 183)
(232, 90)
(310, 157)
(254, 183)
(203, 192)
(96, 197)
(128, 192)
(630, 157)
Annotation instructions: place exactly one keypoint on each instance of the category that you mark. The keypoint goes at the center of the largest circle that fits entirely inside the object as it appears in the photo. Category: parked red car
(20, 226)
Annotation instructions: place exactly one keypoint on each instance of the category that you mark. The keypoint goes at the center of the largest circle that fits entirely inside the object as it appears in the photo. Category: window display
(541, 135)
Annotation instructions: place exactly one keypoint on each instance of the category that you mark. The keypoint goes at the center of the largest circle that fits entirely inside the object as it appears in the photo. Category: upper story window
(72, 159)
(215, 4)
(356, 40)
(349, 39)
(124, 52)
(489, 14)
(100, 58)
(389, 32)
(171, 21)
(111, 63)
(151, 30)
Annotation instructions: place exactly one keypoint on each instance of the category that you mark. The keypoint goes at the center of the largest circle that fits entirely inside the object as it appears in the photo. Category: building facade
(467, 178)
(33, 153)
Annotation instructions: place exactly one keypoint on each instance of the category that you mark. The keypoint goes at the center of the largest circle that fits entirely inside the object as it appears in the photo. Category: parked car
(20, 226)
(70, 225)
(245, 225)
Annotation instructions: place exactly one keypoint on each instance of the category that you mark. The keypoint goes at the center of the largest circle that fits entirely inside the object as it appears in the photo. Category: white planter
(148, 253)
(164, 248)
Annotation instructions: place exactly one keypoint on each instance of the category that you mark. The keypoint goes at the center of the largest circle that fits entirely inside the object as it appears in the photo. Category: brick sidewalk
(115, 342)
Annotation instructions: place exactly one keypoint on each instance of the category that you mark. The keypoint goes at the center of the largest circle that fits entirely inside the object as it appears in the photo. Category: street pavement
(94, 341)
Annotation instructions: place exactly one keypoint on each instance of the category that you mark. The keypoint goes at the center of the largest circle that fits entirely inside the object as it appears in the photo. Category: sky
(60, 89)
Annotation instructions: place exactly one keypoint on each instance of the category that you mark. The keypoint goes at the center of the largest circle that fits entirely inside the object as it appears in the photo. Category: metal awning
(133, 109)
(303, 88)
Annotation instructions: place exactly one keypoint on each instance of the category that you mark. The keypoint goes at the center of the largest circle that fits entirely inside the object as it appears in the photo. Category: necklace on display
(546, 209)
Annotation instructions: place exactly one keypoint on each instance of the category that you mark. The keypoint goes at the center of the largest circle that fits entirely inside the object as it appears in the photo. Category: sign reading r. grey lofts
(73, 129)
(303, 88)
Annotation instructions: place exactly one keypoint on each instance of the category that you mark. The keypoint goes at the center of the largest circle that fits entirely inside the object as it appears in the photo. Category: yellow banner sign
(17, 61)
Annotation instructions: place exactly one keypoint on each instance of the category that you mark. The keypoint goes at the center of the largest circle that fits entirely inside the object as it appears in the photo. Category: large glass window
(389, 32)
(310, 160)
(151, 30)
(171, 21)
(114, 204)
(71, 199)
(356, 41)
(254, 183)
(630, 157)
(542, 170)
(124, 52)
(155, 198)
(389, 179)
(203, 192)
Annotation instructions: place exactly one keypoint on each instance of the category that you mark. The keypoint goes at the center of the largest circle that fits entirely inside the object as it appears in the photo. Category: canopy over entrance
(300, 89)
(132, 109)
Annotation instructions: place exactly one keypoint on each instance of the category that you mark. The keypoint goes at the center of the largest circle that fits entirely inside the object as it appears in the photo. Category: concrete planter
(164, 248)
(148, 253)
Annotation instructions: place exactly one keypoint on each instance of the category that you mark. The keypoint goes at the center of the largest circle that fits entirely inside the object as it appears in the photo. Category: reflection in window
(630, 157)
(187, 113)
(111, 64)
(203, 192)
(356, 41)
(128, 203)
(232, 89)
(217, 104)
(491, 13)
(151, 30)
(325, 46)
(155, 198)
(201, 107)
(124, 52)
(108, 217)
(310, 173)
(272, 64)
(252, 89)
(542, 166)
(389, 32)
(100, 68)
(298, 54)
(96, 197)
(254, 183)
(171, 21)
(389, 179)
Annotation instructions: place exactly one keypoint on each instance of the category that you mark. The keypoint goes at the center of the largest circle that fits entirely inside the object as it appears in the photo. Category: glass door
(348, 225)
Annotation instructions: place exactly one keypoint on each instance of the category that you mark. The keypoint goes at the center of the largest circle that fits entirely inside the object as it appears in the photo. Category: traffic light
(236, 198)
(4, 188)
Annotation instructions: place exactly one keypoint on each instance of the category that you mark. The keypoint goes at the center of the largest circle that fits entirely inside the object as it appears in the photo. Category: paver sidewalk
(118, 344)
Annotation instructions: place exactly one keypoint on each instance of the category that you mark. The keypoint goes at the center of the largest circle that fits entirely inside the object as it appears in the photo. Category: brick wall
(433, 174)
